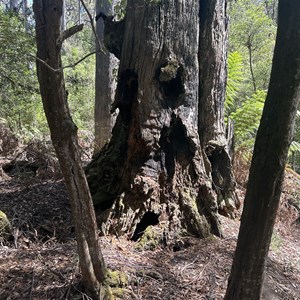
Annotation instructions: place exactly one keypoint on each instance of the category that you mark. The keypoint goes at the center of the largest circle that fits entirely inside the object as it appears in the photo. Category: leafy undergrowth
(41, 261)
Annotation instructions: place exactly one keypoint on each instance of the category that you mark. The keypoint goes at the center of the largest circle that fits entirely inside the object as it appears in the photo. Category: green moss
(118, 292)
(276, 242)
(189, 199)
(169, 72)
(113, 285)
(106, 293)
(5, 226)
(116, 279)
(149, 240)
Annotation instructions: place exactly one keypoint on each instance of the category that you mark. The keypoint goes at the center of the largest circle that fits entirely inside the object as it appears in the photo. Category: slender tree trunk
(249, 46)
(153, 170)
(270, 152)
(106, 68)
(64, 137)
(212, 85)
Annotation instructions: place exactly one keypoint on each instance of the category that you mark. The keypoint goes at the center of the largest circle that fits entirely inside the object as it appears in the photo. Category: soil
(41, 261)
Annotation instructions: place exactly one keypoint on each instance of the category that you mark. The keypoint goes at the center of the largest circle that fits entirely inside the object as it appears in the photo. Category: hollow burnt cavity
(126, 94)
(176, 146)
(170, 78)
(148, 219)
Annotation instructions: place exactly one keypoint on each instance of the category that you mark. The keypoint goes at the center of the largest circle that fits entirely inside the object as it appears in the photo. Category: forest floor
(41, 261)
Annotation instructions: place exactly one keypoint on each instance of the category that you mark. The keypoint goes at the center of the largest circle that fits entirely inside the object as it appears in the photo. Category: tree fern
(234, 80)
(247, 117)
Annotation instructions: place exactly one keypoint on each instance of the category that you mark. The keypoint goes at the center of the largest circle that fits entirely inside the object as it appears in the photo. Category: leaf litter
(41, 261)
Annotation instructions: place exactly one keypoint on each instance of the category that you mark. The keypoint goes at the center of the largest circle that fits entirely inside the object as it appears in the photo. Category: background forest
(189, 269)
(251, 42)
(21, 108)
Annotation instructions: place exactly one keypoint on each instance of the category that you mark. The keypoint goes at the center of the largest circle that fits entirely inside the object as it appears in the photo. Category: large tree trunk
(105, 83)
(212, 85)
(274, 136)
(153, 170)
(63, 16)
(64, 137)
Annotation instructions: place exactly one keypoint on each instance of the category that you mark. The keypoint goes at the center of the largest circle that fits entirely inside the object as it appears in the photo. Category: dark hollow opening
(126, 94)
(176, 146)
(173, 90)
(149, 218)
(174, 87)
(180, 245)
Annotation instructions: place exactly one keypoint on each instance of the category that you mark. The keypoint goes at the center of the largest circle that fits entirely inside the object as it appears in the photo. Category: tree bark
(212, 85)
(153, 171)
(64, 137)
(270, 152)
(105, 83)
(249, 47)
(13, 5)
(63, 17)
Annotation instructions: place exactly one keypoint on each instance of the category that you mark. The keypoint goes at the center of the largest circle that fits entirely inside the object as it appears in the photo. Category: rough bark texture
(64, 137)
(13, 5)
(212, 76)
(106, 67)
(153, 170)
(270, 152)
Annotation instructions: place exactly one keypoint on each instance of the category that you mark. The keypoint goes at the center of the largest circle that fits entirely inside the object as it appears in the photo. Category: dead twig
(62, 277)
(65, 67)
(197, 277)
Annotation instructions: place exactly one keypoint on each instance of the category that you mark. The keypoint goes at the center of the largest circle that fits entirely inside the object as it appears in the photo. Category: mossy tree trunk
(154, 171)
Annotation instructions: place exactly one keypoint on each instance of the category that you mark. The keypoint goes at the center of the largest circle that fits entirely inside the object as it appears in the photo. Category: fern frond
(247, 117)
(234, 79)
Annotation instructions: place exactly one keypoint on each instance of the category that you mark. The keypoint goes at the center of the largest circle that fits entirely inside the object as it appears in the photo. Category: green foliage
(80, 81)
(295, 147)
(251, 42)
(20, 103)
(294, 151)
(252, 34)
(276, 242)
(120, 9)
(234, 80)
(247, 117)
